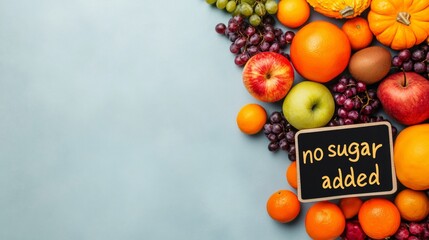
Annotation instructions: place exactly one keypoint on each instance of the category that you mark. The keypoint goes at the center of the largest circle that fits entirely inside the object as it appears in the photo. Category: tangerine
(412, 205)
(350, 206)
(379, 218)
(283, 206)
(358, 32)
(251, 118)
(320, 51)
(291, 175)
(324, 220)
(411, 156)
(293, 13)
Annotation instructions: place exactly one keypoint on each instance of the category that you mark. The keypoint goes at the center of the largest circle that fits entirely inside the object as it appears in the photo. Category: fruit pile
(373, 67)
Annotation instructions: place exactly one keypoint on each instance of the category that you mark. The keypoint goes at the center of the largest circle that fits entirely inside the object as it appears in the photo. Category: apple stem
(405, 79)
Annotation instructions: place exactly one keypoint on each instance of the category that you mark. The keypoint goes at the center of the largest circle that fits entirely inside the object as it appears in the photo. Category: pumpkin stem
(404, 18)
(347, 11)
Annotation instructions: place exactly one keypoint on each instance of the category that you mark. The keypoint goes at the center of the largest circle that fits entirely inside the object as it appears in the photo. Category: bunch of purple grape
(413, 230)
(354, 102)
(281, 134)
(413, 60)
(247, 40)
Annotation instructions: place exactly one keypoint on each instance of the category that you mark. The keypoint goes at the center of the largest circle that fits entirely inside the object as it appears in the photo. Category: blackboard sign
(345, 161)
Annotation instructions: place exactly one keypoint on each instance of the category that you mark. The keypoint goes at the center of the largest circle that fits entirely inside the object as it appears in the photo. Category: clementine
(358, 32)
(379, 218)
(412, 205)
(291, 175)
(293, 13)
(324, 220)
(283, 206)
(350, 206)
(320, 51)
(411, 156)
(251, 118)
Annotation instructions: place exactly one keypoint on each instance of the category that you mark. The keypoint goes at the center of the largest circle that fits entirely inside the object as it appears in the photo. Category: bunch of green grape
(254, 10)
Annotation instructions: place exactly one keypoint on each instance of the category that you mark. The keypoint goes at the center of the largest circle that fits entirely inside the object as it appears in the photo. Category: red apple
(405, 97)
(268, 76)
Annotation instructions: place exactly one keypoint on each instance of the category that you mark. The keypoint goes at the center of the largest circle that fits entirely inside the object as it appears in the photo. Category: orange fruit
(379, 218)
(412, 205)
(324, 220)
(350, 206)
(411, 156)
(358, 32)
(293, 13)
(320, 51)
(251, 118)
(291, 175)
(283, 206)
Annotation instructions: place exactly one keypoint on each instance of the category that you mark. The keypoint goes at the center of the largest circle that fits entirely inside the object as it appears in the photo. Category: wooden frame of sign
(345, 161)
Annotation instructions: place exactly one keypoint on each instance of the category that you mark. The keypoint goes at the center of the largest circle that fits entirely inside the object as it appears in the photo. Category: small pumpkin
(340, 8)
(399, 24)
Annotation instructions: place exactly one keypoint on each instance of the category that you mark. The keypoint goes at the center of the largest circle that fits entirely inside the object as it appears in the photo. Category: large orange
(320, 51)
(324, 220)
(411, 156)
(379, 218)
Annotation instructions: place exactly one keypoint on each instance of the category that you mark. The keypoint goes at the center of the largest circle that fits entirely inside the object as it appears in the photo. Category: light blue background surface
(118, 122)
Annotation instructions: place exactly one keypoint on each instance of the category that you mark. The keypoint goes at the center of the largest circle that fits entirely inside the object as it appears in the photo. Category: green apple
(308, 105)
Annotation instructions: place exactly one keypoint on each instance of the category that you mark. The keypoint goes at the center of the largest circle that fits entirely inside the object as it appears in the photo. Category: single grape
(348, 121)
(343, 80)
(357, 104)
(408, 66)
(250, 30)
(273, 147)
(250, 2)
(233, 26)
(372, 93)
(272, 137)
(283, 144)
(275, 117)
(360, 87)
(278, 32)
(396, 61)
(415, 228)
(232, 36)
(211, 1)
(351, 81)
(292, 149)
(255, 20)
(237, 11)
(342, 113)
(281, 135)
(238, 60)
(353, 115)
(419, 67)
(402, 233)
(275, 47)
(231, 6)
(244, 57)
(290, 136)
(268, 27)
(254, 39)
(269, 36)
(367, 110)
(427, 56)
(271, 6)
(246, 10)
(260, 9)
(240, 42)
(349, 93)
(349, 104)
(234, 48)
(353, 231)
(238, 19)
(425, 47)
(363, 118)
(220, 28)
(268, 128)
(375, 104)
(277, 128)
(404, 55)
(252, 50)
(292, 157)
(418, 55)
(288, 36)
(340, 99)
(264, 46)
(413, 238)
(221, 4)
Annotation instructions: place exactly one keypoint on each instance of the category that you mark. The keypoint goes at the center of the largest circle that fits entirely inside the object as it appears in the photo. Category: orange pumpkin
(340, 8)
(399, 24)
